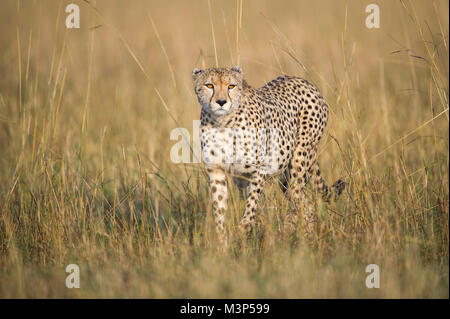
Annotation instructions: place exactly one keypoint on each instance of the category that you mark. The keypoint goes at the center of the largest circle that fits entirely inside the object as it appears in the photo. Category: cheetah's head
(218, 89)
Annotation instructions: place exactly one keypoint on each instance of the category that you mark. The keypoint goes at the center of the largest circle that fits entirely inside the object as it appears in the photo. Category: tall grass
(86, 177)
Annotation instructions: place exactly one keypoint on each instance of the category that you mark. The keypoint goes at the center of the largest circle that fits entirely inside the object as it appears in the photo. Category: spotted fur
(233, 111)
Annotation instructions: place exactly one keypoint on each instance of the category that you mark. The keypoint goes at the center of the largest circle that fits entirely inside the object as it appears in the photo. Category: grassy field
(85, 170)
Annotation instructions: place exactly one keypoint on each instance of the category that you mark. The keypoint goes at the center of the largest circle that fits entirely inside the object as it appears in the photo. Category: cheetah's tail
(321, 186)
(338, 187)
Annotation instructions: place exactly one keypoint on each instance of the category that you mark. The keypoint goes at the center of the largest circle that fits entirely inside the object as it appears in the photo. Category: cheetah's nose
(221, 102)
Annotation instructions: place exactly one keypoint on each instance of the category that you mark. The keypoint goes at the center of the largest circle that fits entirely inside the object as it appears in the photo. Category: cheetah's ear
(237, 69)
(196, 72)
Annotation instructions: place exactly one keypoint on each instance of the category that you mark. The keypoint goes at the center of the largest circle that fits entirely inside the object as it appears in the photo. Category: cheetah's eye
(209, 86)
(231, 86)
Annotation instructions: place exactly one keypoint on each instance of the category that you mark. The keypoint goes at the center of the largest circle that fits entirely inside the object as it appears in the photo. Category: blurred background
(85, 170)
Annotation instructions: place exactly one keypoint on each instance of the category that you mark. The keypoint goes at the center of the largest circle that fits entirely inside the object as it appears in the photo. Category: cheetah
(274, 129)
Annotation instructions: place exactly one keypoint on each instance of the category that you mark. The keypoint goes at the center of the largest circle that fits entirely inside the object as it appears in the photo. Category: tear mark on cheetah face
(218, 90)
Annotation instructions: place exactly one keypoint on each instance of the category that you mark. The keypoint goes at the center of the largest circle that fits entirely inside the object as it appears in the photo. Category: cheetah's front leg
(219, 196)
(255, 189)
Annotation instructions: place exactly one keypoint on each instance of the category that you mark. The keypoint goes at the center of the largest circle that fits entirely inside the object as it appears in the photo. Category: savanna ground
(85, 170)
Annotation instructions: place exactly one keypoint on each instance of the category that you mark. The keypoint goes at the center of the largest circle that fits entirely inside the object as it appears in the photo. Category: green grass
(86, 176)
